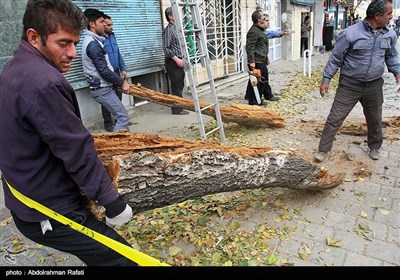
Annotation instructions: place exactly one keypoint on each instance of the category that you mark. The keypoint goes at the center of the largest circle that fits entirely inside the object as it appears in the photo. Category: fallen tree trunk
(151, 171)
(245, 115)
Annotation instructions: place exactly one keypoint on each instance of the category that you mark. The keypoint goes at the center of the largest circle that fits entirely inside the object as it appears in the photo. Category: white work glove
(118, 212)
(122, 218)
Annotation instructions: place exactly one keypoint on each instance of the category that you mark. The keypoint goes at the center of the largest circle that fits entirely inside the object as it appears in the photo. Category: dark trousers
(263, 86)
(348, 94)
(176, 77)
(303, 45)
(65, 239)
(108, 120)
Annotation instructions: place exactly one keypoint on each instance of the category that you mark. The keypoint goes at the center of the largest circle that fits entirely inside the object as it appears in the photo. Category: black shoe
(273, 98)
(183, 112)
(109, 128)
(256, 104)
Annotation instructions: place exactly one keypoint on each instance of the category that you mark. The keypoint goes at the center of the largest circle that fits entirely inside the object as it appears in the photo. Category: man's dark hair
(377, 6)
(106, 16)
(46, 16)
(306, 18)
(256, 16)
(168, 12)
(92, 15)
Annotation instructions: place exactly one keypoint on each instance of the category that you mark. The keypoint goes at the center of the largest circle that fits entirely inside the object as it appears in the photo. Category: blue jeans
(107, 97)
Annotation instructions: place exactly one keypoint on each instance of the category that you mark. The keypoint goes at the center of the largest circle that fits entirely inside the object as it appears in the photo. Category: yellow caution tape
(128, 252)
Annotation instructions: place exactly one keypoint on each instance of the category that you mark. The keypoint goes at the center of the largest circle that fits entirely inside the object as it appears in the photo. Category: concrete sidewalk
(363, 213)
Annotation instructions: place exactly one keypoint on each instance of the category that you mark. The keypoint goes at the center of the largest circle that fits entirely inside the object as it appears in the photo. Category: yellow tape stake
(128, 252)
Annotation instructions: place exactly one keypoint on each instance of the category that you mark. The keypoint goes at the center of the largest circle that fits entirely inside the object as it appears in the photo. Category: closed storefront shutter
(138, 29)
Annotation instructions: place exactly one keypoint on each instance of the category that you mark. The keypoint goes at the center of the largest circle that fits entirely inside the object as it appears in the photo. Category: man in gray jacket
(99, 71)
(361, 52)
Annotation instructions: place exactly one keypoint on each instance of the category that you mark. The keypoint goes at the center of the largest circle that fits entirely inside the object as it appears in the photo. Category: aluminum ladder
(193, 43)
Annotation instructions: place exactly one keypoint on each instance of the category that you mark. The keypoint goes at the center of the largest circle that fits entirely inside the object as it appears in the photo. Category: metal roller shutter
(138, 28)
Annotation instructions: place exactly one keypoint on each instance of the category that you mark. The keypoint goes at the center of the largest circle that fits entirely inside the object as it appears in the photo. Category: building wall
(295, 14)
(11, 13)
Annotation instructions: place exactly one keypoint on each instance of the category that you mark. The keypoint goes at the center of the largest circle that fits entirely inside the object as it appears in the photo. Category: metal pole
(307, 62)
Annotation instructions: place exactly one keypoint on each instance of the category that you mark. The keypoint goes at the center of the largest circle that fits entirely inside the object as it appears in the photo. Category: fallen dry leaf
(333, 242)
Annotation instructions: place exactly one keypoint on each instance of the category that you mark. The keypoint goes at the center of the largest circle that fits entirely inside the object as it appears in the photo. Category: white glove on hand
(122, 218)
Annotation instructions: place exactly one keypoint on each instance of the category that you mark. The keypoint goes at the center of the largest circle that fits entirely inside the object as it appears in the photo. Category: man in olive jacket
(257, 58)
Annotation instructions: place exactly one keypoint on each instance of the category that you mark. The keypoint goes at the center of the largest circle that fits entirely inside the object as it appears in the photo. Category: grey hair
(256, 16)
(377, 6)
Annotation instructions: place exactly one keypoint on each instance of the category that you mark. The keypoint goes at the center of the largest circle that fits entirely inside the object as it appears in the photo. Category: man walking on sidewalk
(361, 52)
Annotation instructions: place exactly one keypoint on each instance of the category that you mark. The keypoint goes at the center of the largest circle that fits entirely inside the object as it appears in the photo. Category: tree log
(151, 171)
(245, 115)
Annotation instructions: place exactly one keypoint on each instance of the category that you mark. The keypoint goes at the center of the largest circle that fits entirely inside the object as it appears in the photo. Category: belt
(96, 88)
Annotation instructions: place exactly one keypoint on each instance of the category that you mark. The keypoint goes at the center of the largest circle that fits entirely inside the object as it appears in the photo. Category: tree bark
(151, 171)
(245, 115)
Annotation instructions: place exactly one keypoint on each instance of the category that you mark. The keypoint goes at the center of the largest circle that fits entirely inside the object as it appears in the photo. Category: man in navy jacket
(117, 62)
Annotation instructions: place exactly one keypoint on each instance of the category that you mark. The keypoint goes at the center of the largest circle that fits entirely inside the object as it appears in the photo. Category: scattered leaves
(384, 211)
(333, 242)
(209, 231)
(363, 230)
(6, 221)
(360, 195)
(363, 214)
(174, 250)
(271, 259)
(304, 252)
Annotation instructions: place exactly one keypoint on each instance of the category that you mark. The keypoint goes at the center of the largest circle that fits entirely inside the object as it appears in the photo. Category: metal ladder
(189, 24)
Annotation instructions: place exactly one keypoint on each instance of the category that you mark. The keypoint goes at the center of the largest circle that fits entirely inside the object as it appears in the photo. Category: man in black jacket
(257, 58)
(45, 151)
